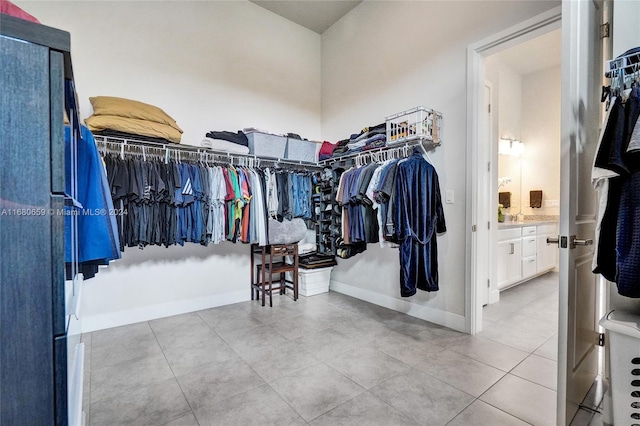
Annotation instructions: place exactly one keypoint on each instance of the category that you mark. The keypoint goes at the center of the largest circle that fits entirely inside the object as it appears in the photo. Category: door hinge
(488, 283)
(605, 30)
(488, 225)
(489, 166)
(473, 228)
(489, 108)
(601, 339)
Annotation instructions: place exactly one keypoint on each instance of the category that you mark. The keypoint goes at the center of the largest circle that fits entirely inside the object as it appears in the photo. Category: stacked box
(266, 145)
(299, 150)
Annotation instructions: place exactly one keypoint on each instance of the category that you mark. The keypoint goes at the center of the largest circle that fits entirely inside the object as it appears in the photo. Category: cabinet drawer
(528, 246)
(528, 231)
(529, 266)
(508, 234)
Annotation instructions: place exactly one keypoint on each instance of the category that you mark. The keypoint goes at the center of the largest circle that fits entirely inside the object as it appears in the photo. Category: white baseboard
(494, 296)
(147, 313)
(436, 316)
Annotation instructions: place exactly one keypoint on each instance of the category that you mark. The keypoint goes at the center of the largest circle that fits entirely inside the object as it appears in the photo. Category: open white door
(581, 117)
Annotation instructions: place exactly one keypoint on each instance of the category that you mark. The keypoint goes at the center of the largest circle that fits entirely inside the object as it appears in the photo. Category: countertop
(509, 225)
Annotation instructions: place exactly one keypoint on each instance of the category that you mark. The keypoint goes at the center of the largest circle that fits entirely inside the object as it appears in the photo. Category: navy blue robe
(418, 217)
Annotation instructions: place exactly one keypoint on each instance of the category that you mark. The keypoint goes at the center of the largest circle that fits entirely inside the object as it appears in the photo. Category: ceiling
(316, 15)
(534, 55)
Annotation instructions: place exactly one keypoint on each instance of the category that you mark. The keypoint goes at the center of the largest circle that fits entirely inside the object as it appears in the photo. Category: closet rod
(189, 149)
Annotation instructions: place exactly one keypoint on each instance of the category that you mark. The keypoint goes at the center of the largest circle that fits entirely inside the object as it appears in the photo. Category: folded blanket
(225, 146)
(133, 126)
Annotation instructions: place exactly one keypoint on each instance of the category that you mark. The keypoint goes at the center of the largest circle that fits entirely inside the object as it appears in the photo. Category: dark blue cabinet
(34, 63)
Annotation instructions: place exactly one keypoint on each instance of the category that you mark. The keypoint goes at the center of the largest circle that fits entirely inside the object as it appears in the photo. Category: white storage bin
(416, 123)
(624, 364)
(299, 150)
(314, 281)
(266, 145)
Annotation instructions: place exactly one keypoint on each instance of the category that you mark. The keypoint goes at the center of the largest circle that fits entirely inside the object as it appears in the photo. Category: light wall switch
(448, 196)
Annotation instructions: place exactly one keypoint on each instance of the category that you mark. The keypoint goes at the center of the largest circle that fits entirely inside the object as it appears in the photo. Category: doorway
(514, 67)
(521, 126)
(582, 56)
(523, 130)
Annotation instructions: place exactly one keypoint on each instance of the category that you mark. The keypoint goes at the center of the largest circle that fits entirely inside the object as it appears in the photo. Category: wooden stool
(262, 273)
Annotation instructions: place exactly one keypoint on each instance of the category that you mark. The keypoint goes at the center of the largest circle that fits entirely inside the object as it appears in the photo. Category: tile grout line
(174, 376)
(484, 363)
(460, 412)
(506, 412)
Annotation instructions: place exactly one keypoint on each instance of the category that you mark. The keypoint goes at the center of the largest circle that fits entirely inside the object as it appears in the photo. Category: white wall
(211, 65)
(625, 28)
(540, 132)
(384, 57)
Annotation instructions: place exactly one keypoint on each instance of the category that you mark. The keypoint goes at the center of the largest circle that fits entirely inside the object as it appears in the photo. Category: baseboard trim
(436, 316)
(494, 296)
(146, 313)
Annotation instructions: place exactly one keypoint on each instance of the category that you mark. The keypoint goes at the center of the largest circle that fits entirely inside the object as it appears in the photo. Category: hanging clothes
(169, 202)
(97, 237)
(418, 216)
(616, 176)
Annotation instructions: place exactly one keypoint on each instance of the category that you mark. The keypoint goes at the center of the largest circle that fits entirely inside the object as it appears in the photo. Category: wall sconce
(510, 147)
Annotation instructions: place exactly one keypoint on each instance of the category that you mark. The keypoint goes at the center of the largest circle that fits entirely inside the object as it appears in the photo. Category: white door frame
(484, 270)
(478, 153)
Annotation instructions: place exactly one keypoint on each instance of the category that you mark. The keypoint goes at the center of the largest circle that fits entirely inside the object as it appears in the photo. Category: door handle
(555, 241)
(573, 242)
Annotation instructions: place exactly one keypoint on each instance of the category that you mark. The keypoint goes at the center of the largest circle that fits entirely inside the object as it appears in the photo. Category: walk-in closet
(307, 212)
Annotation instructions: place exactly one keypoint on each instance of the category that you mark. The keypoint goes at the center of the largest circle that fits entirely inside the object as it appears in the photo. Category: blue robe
(418, 217)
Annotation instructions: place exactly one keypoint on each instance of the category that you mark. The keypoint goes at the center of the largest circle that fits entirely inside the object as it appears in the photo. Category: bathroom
(522, 94)
(524, 85)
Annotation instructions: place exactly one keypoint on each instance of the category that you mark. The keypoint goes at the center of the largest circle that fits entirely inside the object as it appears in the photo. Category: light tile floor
(328, 360)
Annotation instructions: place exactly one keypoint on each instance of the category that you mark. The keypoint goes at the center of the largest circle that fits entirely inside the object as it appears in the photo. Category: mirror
(510, 158)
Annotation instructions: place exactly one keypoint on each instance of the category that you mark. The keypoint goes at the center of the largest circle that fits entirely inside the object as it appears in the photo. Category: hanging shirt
(600, 177)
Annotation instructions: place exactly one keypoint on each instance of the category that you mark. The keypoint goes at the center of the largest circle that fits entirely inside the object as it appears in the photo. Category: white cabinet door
(547, 253)
(502, 255)
(509, 262)
(515, 260)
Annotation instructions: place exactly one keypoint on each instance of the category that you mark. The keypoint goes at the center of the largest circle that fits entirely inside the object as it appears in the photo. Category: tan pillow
(134, 126)
(108, 105)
